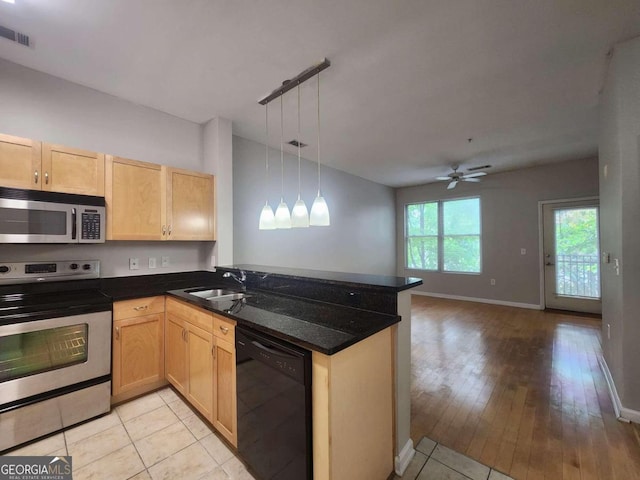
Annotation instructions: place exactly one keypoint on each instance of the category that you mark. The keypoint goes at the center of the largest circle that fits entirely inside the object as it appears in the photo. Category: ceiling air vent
(295, 143)
(14, 36)
(482, 167)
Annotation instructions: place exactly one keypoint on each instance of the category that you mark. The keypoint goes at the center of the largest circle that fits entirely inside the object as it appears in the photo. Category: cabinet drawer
(194, 315)
(138, 307)
(224, 328)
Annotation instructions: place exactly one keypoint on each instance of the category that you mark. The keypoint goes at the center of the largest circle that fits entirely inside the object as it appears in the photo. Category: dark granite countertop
(387, 282)
(319, 326)
(126, 288)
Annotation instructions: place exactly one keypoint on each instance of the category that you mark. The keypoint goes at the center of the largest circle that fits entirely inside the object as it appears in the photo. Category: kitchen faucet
(241, 280)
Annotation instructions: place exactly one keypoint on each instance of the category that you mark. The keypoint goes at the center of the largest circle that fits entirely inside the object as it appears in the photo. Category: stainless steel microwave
(32, 216)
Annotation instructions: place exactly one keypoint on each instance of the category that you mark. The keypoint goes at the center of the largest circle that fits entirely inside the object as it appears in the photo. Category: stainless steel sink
(218, 295)
(217, 292)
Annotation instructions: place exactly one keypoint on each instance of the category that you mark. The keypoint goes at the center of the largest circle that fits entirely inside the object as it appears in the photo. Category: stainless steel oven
(32, 216)
(55, 348)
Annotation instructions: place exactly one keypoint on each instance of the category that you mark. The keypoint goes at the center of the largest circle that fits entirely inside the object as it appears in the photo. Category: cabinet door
(175, 352)
(200, 369)
(224, 404)
(72, 170)
(20, 162)
(190, 205)
(138, 355)
(135, 197)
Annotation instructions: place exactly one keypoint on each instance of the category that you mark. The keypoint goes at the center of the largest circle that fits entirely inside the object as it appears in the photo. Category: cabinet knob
(46, 178)
(164, 230)
(117, 333)
(224, 330)
(141, 307)
(169, 229)
(35, 176)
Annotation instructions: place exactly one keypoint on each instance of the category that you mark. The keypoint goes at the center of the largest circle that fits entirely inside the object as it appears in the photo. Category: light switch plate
(134, 264)
(152, 262)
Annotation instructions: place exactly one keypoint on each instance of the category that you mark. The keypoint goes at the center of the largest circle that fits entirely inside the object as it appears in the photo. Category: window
(443, 235)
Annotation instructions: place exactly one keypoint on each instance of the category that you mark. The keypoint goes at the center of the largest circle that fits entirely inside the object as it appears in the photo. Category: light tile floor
(434, 461)
(153, 437)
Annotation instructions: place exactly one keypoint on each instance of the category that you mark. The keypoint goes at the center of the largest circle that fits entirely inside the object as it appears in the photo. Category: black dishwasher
(274, 406)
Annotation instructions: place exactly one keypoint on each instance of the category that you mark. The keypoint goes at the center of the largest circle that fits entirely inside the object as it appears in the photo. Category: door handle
(117, 333)
(549, 264)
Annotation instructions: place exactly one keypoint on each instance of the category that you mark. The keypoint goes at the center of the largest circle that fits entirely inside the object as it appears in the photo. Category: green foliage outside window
(448, 229)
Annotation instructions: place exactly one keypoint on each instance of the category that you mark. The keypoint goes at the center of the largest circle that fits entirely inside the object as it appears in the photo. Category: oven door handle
(74, 224)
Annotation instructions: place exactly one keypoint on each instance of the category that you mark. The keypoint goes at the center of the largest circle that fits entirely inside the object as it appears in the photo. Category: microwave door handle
(74, 224)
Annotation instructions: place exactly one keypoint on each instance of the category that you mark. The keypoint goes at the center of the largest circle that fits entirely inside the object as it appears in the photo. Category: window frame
(440, 236)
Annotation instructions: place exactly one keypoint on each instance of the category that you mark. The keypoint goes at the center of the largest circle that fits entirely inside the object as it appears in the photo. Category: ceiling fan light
(283, 217)
(300, 215)
(319, 213)
(267, 218)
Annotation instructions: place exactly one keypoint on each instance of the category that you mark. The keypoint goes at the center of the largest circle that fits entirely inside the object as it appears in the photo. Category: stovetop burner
(38, 290)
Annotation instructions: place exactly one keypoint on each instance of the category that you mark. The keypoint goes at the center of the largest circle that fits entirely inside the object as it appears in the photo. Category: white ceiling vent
(14, 36)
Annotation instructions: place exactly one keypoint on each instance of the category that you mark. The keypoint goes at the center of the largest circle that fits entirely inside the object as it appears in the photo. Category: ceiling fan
(454, 177)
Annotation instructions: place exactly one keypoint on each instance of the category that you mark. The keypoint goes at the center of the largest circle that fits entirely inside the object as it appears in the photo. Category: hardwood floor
(518, 390)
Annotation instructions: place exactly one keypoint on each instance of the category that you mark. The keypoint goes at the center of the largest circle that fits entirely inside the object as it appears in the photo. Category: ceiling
(410, 82)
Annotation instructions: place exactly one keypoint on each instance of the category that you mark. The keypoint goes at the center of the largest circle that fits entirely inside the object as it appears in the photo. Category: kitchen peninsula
(349, 322)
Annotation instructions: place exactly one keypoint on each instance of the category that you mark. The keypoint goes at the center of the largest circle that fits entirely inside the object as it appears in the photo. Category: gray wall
(40, 106)
(620, 220)
(361, 237)
(509, 203)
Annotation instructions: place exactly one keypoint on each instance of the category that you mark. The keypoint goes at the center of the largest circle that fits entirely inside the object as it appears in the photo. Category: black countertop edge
(306, 333)
(386, 282)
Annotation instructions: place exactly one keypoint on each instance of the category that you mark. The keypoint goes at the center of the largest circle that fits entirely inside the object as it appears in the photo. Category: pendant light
(299, 214)
(283, 217)
(319, 210)
(267, 219)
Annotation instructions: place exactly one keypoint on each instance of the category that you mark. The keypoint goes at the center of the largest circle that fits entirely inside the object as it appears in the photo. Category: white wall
(360, 238)
(40, 106)
(619, 145)
(509, 203)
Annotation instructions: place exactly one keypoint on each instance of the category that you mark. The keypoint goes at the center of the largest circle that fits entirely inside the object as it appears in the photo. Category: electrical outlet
(152, 262)
(165, 261)
(134, 264)
(523, 251)
(493, 281)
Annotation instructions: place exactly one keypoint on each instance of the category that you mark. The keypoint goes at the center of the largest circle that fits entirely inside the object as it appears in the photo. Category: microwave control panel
(90, 225)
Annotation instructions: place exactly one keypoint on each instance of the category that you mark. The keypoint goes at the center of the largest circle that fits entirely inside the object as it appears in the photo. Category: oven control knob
(86, 266)
(73, 266)
(4, 269)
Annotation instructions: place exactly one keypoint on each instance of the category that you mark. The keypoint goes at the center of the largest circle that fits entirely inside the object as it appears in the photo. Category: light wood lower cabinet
(201, 363)
(138, 346)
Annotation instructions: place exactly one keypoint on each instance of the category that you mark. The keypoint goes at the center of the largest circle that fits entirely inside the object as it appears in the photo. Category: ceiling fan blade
(473, 175)
(452, 184)
(476, 180)
(443, 178)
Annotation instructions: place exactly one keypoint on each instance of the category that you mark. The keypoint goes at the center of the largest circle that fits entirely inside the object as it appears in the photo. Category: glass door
(572, 256)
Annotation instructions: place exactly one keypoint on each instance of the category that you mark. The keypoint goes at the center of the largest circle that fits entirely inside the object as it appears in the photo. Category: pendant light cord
(299, 140)
(266, 160)
(281, 151)
(318, 133)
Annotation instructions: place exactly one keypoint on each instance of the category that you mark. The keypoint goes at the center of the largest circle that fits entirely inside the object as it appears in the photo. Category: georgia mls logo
(35, 468)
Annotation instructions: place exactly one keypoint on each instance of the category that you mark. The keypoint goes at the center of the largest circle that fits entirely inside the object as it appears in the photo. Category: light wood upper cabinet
(190, 205)
(20, 162)
(146, 201)
(138, 345)
(71, 170)
(134, 193)
(29, 164)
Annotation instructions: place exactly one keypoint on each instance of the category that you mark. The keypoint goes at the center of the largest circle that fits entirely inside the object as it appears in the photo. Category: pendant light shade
(319, 210)
(283, 217)
(267, 218)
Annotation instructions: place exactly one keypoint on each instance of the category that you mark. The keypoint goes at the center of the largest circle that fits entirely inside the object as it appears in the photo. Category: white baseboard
(530, 306)
(623, 414)
(404, 458)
